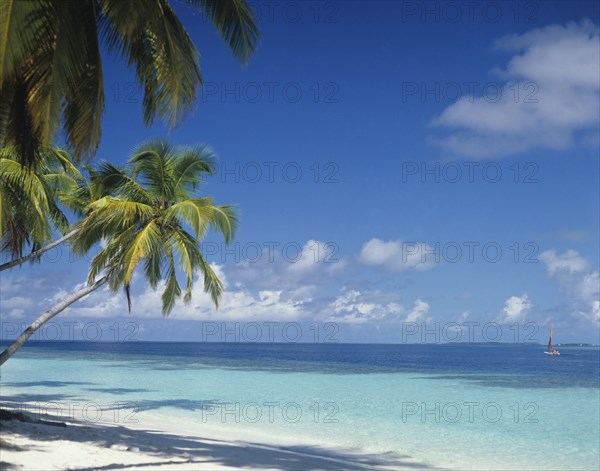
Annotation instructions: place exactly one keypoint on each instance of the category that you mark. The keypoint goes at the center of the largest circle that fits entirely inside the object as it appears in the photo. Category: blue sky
(358, 116)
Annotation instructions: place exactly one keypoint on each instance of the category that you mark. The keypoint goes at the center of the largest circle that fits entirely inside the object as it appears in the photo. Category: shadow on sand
(171, 449)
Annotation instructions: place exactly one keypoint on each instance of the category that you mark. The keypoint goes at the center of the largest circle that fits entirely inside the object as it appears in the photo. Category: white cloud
(558, 67)
(594, 314)
(590, 285)
(17, 286)
(271, 289)
(575, 277)
(356, 307)
(569, 262)
(308, 266)
(100, 303)
(315, 255)
(420, 309)
(16, 313)
(238, 303)
(17, 302)
(61, 294)
(396, 255)
(515, 309)
(14, 299)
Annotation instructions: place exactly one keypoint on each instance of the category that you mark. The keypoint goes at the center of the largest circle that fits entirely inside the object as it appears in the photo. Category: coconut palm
(29, 200)
(51, 64)
(72, 190)
(152, 219)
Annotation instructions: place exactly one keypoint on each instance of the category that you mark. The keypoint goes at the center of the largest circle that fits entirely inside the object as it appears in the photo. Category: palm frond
(145, 243)
(172, 290)
(150, 37)
(118, 182)
(212, 284)
(225, 221)
(189, 258)
(192, 164)
(51, 66)
(198, 213)
(236, 23)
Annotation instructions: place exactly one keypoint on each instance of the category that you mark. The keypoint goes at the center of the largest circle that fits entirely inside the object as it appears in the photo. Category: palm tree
(73, 191)
(51, 65)
(29, 196)
(152, 217)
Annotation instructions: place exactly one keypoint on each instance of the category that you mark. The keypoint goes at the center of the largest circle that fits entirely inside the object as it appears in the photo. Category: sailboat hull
(550, 353)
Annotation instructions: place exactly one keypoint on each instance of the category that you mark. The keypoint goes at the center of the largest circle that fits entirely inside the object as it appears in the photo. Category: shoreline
(50, 442)
(194, 401)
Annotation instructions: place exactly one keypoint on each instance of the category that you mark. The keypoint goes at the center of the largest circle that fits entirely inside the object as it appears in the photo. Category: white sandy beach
(46, 443)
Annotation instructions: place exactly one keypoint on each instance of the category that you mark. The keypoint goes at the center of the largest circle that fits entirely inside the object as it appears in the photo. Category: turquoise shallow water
(458, 407)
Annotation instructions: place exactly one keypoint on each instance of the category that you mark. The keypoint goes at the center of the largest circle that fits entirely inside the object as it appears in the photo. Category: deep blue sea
(453, 406)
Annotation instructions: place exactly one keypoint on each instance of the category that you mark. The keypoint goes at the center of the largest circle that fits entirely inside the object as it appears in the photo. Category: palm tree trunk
(49, 314)
(7, 92)
(38, 253)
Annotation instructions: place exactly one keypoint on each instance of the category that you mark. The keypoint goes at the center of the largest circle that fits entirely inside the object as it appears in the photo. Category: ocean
(456, 406)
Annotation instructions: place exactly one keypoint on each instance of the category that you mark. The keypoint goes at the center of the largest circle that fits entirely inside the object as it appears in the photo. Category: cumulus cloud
(272, 286)
(275, 285)
(570, 262)
(550, 97)
(356, 307)
(61, 294)
(238, 303)
(16, 313)
(315, 255)
(17, 302)
(396, 256)
(306, 287)
(515, 309)
(314, 263)
(17, 286)
(420, 309)
(575, 277)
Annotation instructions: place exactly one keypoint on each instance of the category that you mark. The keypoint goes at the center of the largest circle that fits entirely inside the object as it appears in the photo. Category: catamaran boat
(550, 350)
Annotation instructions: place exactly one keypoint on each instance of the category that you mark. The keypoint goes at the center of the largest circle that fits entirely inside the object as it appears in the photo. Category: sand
(45, 443)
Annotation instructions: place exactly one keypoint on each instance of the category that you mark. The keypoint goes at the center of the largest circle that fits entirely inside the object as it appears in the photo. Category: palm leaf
(172, 290)
(235, 21)
(144, 244)
(225, 221)
(198, 213)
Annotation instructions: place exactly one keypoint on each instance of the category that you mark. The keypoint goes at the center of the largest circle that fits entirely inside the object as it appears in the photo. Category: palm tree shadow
(47, 384)
(170, 449)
